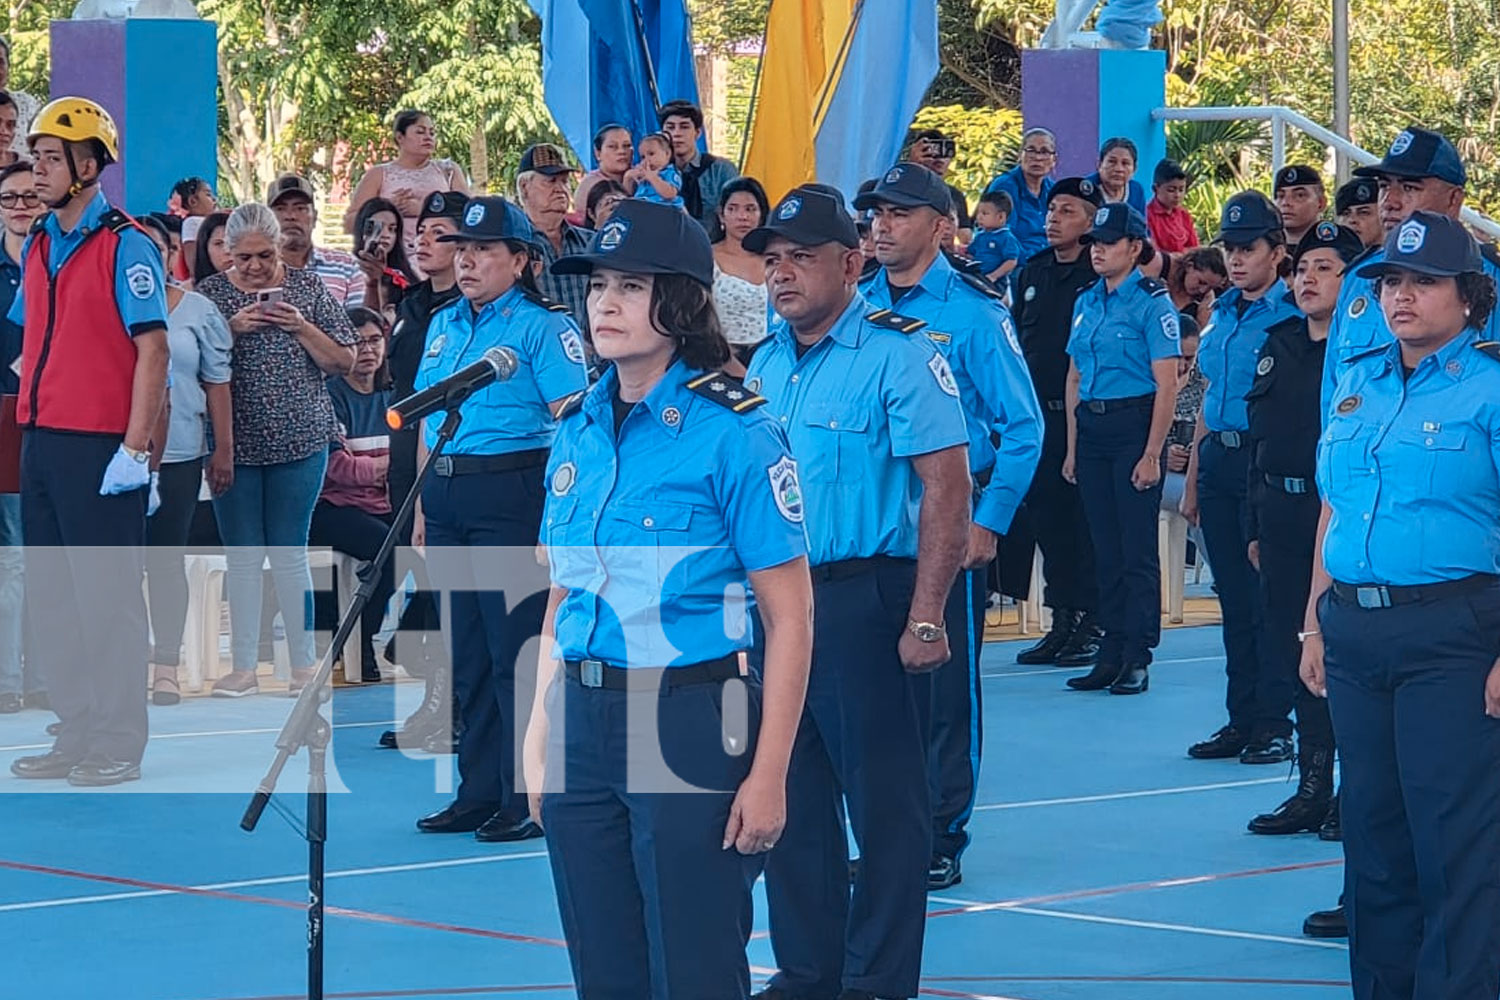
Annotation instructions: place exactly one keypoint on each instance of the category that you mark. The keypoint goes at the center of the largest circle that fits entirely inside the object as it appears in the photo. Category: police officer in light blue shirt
(1121, 391)
(670, 494)
(1216, 494)
(1408, 597)
(1421, 171)
(967, 321)
(486, 493)
(872, 411)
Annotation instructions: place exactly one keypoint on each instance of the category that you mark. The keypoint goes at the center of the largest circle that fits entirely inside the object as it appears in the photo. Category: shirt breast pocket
(1434, 458)
(653, 540)
(840, 433)
(565, 532)
(1344, 450)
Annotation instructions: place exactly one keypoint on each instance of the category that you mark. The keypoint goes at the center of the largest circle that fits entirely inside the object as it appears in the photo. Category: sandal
(164, 689)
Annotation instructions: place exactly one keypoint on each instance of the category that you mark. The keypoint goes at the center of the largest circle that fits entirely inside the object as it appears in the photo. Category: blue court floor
(1106, 864)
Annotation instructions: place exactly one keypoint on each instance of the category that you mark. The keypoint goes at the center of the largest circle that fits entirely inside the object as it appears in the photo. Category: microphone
(497, 365)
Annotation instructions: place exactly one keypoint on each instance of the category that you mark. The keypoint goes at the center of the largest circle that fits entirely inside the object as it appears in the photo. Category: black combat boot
(1082, 647)
(433, 717)
(1064, 623)
(1332, 828)
(1306, 810)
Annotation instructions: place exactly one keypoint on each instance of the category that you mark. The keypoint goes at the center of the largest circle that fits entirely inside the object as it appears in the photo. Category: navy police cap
(643, 237)
(1428, 243)
(1297, 175)
(1327, 236)
(1247, 217)
(490, 220)
(444, 205)
(1077, 187)
(1416, 153)
(909, 185)
(810, 215)
(1118, 221)
(1359, 191)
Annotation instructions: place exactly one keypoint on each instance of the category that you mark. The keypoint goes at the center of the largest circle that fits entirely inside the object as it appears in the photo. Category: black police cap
(1077, 187)
(1297, 175)
(444, 205)
(643, 237)
(1416, 153)
(809, 216)
(1360, 191)
(490, 220)
(1247, 217)
(1118, 221)
(909, 185)
(1428, 243)
(1327, 236)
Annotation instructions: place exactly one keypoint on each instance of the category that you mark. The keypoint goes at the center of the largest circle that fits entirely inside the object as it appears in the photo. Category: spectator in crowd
(1190, 386)
(703, 174)
(1301, 200)
(1116, 174)
(26, 104)
(935, 151)
(739, 290)
(543, 194)
(353, 512)
(209, 254)
(201, 344)
(9, 117)
(289, 333)
(291, 198)
(20, 685)
(604, 197)
(407, 180)
(655, 178)
(382, 256)
(1171, 225)
(1195, 279)
(614, 152)
(995, 247)
(1357, 205)
(195, 196)
(1028, 184)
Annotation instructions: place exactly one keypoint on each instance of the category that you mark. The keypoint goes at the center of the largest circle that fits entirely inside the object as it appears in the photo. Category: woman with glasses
(1028, 184)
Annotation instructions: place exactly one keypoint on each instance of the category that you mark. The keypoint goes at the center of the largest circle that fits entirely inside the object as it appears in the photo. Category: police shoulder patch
(894, 321)
(727, 391)
(572, 404)
(1489, 348)
(982, 285)
(1152, 287)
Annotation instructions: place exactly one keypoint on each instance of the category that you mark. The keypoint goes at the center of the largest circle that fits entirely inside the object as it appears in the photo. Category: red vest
(77, 359)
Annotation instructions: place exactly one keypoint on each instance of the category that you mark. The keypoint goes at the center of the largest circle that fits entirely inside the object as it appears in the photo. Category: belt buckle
(443, 466)
(1370, 598)
(1295, 486)
(1229, 439)
(591, 673)
(1096, 406)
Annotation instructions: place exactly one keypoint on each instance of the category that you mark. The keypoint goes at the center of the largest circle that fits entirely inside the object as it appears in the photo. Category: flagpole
(640, 34)
(760, 62)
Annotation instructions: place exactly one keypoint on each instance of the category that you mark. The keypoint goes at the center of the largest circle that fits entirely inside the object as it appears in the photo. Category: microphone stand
(306, 727)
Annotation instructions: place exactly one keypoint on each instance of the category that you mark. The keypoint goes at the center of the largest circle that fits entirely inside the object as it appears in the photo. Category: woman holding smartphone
(382, 257)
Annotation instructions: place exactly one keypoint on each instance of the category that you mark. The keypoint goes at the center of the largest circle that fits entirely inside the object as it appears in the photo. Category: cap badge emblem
(1327, 232)
(789, 209)
(435, 203)
(1402, 143)
(474, 216)
(1101, 217)
(1411, 237)
(893, 176)
(1087, 187)
(1235, 212)
(1288, 175)
(612, 235)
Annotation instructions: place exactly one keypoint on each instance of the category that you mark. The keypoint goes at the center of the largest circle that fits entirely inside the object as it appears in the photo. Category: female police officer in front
(668, 497)
(487, 493)
(1407, 591)
(1121, 391)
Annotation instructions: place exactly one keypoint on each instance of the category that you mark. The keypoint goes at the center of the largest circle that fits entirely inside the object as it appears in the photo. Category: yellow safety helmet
(77, 119)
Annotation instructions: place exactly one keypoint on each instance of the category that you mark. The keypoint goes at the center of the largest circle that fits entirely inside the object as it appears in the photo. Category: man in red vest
(93, 379)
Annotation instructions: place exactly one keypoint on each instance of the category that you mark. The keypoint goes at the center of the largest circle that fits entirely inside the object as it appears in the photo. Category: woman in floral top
(289, 335)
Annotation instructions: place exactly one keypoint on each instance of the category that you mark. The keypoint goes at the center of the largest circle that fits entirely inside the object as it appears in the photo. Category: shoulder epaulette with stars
(1152, 287)
(727, 391)
(572, 404)
(117, 221)
(543, 301)
(1489, 348)
(981, 285)
(894, 321)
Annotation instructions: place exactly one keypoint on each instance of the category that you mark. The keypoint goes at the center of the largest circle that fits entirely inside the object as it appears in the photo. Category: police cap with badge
(810, 216)
(491, 220)
(1248, 216)
(444, 205)
(1077, 187)
(1297, 175)
(1359, 191)
(1416, 153)
(1430, 244)
(1118, 221)
(643, 237)
(1328, 236)
(908, 185)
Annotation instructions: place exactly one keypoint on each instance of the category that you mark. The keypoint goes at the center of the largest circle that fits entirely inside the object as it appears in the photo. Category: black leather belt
(846, 569)
(1289, 484)
(1372, 596)
(1229, 439)
(448, 466)
(1111, 405)
(597, 674)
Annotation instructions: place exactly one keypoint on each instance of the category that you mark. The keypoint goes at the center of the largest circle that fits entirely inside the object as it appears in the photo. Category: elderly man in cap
(544, 186)
(967, 321)
(1356, 206)
(872, 411)
(1301, 200)
(290, 196)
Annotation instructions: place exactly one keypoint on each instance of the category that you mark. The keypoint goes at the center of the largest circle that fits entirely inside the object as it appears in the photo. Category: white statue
(119, 10)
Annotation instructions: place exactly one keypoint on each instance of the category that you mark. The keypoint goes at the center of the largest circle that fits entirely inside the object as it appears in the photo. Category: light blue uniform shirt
(1229, 350)
(857, 407)
(1411, 467)
(511, 415)
(653, 534)
(1117, 335)
(1359, 324)
(140, 285)
(977, 336)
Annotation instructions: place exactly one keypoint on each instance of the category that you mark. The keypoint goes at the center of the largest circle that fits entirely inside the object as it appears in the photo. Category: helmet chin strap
(78, 186)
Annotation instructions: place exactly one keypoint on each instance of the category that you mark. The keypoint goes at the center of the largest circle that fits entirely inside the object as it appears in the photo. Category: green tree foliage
(985, 138)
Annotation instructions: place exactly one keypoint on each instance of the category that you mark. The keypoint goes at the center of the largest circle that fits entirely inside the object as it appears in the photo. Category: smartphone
(371, 237)
(268, 296)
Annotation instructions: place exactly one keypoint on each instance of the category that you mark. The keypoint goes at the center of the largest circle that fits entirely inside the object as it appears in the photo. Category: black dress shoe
(943, 873)
(10, 704)
(100, 772)
(388, 739)
(1275, 750)
(1101, 677)
(1132, 680)
(501, 829)
(48, 766)
(1327, 923)
(1226, 743)
(456, 819)
(1332, 829)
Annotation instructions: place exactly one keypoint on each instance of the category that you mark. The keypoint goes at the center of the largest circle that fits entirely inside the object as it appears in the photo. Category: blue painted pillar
(1085, 96)
(159, 80)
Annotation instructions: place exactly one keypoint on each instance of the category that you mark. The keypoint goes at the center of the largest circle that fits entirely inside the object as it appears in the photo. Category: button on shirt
(512, 415)
(1411, 468)
(856, 407)
(1117, 335)
(1028, 217)
(1229, 348)
(977, 336)
(1046, 291)
(654, 532)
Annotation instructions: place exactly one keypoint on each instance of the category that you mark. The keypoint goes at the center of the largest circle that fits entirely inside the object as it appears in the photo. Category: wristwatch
(927, 631)
(139, 456)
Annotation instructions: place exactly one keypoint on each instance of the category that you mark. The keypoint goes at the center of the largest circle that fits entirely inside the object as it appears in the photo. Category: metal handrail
(1280, 117)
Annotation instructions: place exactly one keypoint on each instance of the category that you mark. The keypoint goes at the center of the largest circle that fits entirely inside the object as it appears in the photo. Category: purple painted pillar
(1085, 96)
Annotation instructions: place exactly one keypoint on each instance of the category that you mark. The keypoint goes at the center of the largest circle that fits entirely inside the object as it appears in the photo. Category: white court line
(1060, 671)
(212, 732)
(1155, 925)
(42, 904)
(1143, 794)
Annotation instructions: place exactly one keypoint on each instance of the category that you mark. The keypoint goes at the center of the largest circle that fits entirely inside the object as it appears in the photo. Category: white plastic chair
(1171, 549)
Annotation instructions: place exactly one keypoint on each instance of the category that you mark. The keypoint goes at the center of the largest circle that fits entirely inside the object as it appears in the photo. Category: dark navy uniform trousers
(1288, 528)
(863, 743)
(1421, 793)
(1122, 524)
(1054, 511)
(465, 514)
(85, 559)
(957, 739)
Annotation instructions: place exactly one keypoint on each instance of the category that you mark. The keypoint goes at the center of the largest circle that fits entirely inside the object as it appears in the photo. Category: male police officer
(1356, 205)
(93, 380)
(1047, 287)
(974, 331)
(872, 412)
(1300, 199)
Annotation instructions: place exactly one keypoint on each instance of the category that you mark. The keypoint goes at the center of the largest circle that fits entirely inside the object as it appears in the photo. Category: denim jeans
(266, 514)
(14, 679)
